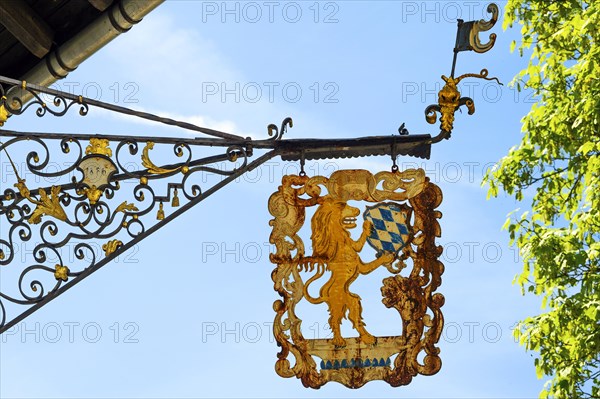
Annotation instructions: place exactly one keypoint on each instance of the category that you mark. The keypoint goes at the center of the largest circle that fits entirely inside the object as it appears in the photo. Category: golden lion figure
(334, 250)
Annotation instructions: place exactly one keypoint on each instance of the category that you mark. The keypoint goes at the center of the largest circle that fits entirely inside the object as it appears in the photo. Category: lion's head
(329, 225)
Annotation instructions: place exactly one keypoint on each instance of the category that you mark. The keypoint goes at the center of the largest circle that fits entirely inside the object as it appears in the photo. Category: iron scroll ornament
(101, 200)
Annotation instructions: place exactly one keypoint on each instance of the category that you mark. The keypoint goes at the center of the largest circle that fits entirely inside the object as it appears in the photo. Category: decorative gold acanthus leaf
(47, 205)
(125, 206)
(147, 163)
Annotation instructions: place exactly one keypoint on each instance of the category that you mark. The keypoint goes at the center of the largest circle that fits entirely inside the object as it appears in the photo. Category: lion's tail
(320, 271)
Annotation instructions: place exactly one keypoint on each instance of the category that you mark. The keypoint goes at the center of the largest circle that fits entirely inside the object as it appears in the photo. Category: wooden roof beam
(26, 26)
(100, 5)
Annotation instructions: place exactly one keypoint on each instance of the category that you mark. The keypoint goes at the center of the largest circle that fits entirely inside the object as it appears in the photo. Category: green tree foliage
(556, 168)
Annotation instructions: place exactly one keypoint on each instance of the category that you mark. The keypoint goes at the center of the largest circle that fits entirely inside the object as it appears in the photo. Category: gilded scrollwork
(90, 201)
(47, 205)
(92, 193)
(61, 272)
(355, 361)
(126, 206)
(111, 246)
(99, 146)
(449, 101)
(3, 115)
(152, 168)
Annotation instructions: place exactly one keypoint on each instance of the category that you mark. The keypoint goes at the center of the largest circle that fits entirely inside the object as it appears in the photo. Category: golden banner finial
(449, 100)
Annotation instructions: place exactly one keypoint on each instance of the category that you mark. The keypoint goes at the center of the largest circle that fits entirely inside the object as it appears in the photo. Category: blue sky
(187, 312)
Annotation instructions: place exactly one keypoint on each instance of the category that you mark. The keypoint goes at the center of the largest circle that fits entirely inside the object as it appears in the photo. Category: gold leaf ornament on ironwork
(126, 206)
(47, 205)
(23, 189)
(92, 193)
(111, 246)
(148, 164)
(99, 146)
(61, 272)
(449, 100)
(400, 226)
(4, 114)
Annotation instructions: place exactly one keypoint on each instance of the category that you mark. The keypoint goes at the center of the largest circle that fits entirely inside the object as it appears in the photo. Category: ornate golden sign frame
(355, 361)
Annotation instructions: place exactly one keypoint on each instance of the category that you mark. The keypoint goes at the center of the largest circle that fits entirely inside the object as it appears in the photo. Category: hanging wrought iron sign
(91, 202)
(401, 227)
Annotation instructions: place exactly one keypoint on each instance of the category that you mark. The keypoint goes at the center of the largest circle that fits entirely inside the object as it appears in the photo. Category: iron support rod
(119, 109)
(208, 142)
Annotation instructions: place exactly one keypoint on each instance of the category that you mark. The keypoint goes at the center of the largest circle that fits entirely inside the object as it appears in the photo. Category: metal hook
(394, 165)
(302, 161)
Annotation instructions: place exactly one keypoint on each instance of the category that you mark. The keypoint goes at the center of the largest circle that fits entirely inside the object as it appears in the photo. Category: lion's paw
(338, 342)
(367, 339)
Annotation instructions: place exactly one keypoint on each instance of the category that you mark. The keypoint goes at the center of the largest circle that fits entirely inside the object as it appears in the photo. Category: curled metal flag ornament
(402, 231)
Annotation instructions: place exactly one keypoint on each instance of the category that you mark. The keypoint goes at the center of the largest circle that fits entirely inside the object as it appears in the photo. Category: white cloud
(171, 66)
(163, 53)
(167, 61)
